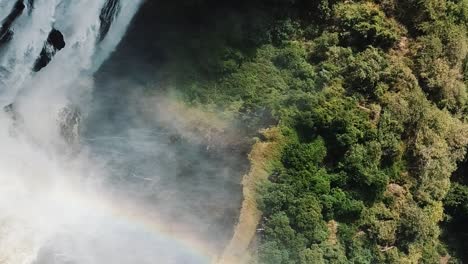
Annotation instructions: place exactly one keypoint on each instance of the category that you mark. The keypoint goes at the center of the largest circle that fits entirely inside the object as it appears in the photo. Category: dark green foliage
(314, 254)
(440, 71)
(322, 45)
(334, 254)
(362, 163)
(276, 198)
(389, 136)
(417, 15)
(299, 157)
(456, 202)
(306, 214)
(296, 71)
(456, 207)
(285, 30)
(362, 24)
(285, 243)
(337, 119)
(366, 73)
(270, 252)
(338, 205)
(371, 98)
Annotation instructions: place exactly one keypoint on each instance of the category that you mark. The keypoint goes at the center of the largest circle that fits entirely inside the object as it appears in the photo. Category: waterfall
(89, 41)
(49, 51)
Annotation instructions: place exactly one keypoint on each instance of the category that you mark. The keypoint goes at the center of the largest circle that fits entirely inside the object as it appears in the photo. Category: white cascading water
(79, 23)
(50, 205)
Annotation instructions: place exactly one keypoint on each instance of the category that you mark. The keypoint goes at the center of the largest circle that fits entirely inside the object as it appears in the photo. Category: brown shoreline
(238, 250)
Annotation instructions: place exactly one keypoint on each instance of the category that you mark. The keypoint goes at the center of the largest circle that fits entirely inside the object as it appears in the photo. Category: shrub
(362, 24)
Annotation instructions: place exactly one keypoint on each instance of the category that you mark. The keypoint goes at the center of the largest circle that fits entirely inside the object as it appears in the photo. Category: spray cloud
(86, 179)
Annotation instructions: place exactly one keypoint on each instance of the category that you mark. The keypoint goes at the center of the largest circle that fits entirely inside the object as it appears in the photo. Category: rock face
(54, 43)
(6, 33)
(110, 10)
(6, 37)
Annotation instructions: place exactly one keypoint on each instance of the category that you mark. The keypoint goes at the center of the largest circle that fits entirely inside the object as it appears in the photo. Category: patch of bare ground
(261, 157)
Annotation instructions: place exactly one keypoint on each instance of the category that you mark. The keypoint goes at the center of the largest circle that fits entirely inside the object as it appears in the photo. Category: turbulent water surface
(118, 193)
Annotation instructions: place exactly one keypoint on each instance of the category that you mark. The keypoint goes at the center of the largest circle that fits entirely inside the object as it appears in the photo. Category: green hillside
(371, 98)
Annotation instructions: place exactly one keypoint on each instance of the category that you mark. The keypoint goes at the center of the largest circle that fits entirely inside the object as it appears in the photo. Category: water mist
(55, 206)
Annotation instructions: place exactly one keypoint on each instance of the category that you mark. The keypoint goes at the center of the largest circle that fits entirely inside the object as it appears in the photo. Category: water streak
(39, 178)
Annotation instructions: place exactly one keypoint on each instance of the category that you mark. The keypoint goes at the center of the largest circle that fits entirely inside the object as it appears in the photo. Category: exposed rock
(6, 37)
(6, 33)
(54, 43)
(108, 13)
(56, 39)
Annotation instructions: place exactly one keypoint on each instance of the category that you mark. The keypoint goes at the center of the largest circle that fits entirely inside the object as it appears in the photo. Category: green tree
(306, 217)
(363, 24)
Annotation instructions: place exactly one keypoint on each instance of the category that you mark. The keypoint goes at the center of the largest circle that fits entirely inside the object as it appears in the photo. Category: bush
(365, 72)
(275, 198)
(338, 205)
(302, 156)
(362, 24)
(306, 218)
(362, 163)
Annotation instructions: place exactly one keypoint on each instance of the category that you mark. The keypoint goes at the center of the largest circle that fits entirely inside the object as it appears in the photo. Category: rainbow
(136, 216)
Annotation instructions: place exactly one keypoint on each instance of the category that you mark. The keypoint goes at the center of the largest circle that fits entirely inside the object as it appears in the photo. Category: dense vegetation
(371, 97)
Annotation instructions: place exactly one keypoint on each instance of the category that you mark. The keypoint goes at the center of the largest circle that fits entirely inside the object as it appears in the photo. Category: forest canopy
(371, 97)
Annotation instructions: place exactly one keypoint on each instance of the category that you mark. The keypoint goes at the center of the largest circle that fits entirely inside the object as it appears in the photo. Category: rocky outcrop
(54, 43)
(6, 33)
(108, 13)
(6, 37)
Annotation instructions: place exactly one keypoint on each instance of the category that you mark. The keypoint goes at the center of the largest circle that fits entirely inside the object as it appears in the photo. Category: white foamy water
(50, 205)
(78, 21)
